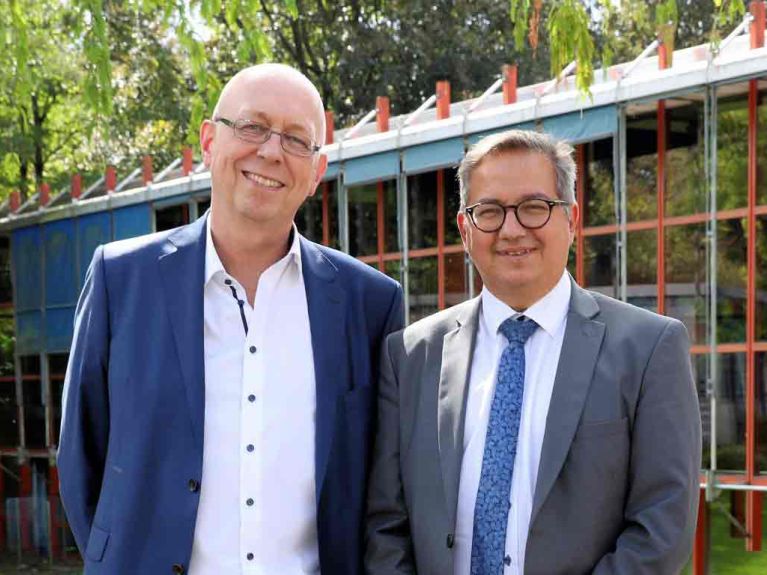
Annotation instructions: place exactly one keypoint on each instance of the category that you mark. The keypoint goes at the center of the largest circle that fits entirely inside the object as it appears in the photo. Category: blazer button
(194, 487)
(178, 569)
(450, 540)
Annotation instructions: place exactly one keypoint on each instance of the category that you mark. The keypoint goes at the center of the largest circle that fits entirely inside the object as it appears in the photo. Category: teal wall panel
(371, 168)
(428, 157)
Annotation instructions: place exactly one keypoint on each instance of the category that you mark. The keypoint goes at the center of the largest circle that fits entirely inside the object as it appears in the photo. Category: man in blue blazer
(219, 396)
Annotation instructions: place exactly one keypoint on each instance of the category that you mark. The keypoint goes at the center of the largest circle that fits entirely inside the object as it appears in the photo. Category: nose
(271, 149)
(511, 227)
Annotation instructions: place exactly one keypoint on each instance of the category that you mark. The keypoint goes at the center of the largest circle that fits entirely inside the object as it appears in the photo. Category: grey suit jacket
(617, 485)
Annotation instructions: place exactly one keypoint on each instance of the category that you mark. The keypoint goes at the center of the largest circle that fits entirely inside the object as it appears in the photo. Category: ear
(575, 215)
(207, 131)
(322, 166)
(462, 220)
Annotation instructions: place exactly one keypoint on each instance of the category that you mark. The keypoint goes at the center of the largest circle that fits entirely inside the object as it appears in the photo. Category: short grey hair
(560, 154)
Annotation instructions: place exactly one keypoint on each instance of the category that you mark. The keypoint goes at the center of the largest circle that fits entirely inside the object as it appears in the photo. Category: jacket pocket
(97, 543)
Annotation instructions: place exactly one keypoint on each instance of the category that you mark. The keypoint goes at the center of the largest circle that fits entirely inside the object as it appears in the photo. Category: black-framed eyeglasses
(255, 133)
(532, 214)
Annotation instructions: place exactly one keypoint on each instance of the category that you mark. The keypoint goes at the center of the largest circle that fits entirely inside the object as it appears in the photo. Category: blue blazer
(130, 458)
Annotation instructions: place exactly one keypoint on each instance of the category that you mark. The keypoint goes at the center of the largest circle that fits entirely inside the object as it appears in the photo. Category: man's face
(262, 183)
(518, 265)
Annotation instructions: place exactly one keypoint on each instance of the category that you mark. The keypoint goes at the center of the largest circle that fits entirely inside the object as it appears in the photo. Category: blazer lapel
(457, 350)
(326, 301)
(580, 349)
(182, 267)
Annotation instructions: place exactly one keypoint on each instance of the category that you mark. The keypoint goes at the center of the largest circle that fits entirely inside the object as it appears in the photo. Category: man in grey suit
(539, 428)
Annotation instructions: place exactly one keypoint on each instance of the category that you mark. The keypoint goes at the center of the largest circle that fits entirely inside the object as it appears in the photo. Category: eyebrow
(532, 195)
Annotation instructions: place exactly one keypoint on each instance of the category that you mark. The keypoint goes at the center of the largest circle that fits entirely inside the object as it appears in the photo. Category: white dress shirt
(542, 351)
(257, 512)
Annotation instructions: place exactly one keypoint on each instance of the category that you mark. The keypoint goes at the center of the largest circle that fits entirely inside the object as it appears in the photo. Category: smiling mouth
(262, 180)
(516, 253)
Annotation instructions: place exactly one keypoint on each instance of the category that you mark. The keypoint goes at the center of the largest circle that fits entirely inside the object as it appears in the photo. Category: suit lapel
(580, 349)
(182, 268)
(326, 303)
(457, 349)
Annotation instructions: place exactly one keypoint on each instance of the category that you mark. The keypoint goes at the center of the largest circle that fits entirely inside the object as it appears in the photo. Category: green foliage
(666, 13)
(570, 38)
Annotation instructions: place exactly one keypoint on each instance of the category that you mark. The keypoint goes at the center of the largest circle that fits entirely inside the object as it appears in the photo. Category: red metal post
(45, 194)
(441, 239)
(329, 127)
(187, 161)
(443, 99)
(382, 113)
(580, 189)
(146, 170)
(661, 185)
(15, 201)
(509, 72)
(663, 56)
(756, 28)
(753, 499)
(382, 123)
(325, 187)
(380, 224)
(700, 545)
(25, 505)
(443, 112)
(54, 525)
(110, 179)
(76, 186)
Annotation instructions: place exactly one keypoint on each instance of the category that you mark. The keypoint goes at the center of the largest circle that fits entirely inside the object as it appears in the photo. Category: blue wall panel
(61, 277)
(93, 230)
(132, 221)
(332, 172)
(58, 328)
(428, 157)
(474, 138)
(28, 332)
(371, 168)
(27, 263)
(583, 126)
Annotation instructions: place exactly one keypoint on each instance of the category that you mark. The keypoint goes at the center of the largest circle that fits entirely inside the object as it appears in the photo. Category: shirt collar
(548, 312)
(213, 264)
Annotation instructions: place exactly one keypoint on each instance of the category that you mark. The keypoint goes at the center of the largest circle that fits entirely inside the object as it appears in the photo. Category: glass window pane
(761, 145)
(699, 372)
(642, 164)
(599, 264)
(761, 278)
(452, 205)
(422, 210)
(57, 369)
(760, 410)
(598, 191)
(423, 287)
(309, 218)
(727, 544)
(731, 413)
(32, 402)
(731, 280)
(686, 287)
(393, 269)
(642, 270)
(685, 172)
(732, 149)
(171, 217)
(456, 279)
(363, 220)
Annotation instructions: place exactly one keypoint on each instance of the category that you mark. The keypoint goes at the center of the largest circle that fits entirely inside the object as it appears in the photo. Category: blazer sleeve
(661, 508)
(85, 422)
(388, 547)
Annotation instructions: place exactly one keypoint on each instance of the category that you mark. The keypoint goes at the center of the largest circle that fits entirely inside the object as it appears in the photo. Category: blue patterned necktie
(491, 511)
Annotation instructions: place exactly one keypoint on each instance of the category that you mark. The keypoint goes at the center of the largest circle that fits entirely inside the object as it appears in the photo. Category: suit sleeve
(661, 508)
(85, 422)
(388, 547)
